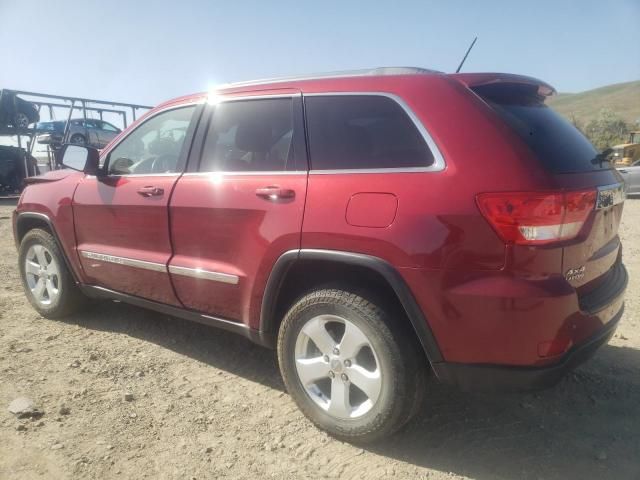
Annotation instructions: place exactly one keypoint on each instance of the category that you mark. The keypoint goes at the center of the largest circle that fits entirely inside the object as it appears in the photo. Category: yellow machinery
(626, 154)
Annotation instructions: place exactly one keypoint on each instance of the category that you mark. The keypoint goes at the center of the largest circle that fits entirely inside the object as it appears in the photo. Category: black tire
(21, 120)
(78, 139)
(401, 361)
(68, 298)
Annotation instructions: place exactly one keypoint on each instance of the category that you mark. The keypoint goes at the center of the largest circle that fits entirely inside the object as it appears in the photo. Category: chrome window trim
(215, 97)
(243, 173)
(375, 170)
(127, 262)
(204, 274)
(438, 164)
(174, 174)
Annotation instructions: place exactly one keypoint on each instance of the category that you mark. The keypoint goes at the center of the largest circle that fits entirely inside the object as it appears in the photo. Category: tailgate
(587, 261)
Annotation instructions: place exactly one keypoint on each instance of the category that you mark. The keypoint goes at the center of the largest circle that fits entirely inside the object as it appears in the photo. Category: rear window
(356, 132)
(557, 144)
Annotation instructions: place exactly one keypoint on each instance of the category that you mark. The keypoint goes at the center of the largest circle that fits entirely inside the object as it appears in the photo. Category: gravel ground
(132, 394)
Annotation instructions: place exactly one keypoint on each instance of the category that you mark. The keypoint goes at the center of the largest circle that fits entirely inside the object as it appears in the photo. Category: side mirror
(80, 158)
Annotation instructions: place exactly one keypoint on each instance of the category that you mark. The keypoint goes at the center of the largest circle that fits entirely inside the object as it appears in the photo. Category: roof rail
(366, 72)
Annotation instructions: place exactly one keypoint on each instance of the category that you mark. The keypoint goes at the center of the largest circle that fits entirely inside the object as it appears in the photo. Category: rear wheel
(352, 369)
(46, 280)
(78, 139)
(21, 120)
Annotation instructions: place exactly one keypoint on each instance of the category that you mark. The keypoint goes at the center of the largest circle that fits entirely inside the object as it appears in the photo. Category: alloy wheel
(337, 366)
(42, 274)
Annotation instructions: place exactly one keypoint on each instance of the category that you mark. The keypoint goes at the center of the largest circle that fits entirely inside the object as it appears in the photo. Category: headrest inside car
(254, 136)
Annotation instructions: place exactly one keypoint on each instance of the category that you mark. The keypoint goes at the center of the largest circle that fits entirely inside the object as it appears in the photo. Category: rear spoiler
(479, 79)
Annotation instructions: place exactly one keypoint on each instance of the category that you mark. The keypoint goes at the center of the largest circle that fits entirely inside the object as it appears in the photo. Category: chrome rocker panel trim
(204, 274)
(161, 267)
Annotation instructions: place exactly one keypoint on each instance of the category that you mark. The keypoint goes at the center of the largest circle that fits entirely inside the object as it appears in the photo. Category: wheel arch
(383, 274)
(26, 221)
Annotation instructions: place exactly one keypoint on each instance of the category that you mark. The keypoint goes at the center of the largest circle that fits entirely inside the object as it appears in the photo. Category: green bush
(606, 130)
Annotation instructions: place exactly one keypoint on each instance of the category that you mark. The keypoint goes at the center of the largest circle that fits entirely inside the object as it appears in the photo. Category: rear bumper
(473, 377)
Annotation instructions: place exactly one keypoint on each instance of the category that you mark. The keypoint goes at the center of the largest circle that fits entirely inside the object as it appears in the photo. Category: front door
(121, 218)
(631, 177)
(241, 207)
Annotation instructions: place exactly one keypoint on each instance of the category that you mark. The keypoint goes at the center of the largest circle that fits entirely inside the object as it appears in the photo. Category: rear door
(122, 219)
(241, 205)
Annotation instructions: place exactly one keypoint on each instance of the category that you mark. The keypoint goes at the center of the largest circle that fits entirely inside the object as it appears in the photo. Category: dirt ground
(208, 404)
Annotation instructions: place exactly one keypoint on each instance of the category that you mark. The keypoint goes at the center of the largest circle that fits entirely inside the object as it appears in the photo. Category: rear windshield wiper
(602, 157)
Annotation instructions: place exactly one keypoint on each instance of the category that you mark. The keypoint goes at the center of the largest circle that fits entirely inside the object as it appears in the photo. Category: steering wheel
(164, 163)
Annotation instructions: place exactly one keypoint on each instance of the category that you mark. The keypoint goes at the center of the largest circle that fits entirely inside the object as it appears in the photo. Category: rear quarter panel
(438, 240)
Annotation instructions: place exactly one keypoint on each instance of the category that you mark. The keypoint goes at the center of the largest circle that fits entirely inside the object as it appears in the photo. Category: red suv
(373, 226)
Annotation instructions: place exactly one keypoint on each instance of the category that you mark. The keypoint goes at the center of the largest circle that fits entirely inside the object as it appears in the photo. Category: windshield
(557, 144)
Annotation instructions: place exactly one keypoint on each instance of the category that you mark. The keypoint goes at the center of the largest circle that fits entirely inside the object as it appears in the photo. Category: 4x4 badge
(575, 273)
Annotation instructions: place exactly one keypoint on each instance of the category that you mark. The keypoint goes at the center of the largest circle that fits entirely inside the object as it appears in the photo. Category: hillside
(621, 98)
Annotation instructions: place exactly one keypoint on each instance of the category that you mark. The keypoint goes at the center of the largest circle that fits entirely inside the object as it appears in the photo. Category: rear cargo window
(349, 132)
(557, 144)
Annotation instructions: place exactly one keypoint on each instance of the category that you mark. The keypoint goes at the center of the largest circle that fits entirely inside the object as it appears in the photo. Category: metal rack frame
(73, 103)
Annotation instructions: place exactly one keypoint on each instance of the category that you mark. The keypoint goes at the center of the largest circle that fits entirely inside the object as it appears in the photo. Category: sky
(147, 51)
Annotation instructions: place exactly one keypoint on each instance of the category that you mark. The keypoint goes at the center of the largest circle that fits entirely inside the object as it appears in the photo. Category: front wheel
(352, 369)
(46, 280)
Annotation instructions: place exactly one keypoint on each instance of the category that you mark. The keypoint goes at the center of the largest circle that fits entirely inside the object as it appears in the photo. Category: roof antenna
(466, 54)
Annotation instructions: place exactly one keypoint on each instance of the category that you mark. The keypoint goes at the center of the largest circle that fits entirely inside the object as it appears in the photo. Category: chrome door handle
(274, 192)
(150, 191)
(623, 171)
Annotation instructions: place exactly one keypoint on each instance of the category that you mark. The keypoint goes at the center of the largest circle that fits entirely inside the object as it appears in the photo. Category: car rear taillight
(537, 218)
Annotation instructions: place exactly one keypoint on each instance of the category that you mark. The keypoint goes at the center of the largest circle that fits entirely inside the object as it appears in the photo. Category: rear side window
(557, 144)
(348, 132)
(250, 135)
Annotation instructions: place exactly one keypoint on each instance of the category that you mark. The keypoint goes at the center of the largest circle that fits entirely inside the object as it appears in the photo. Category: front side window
(250, 136)
(154, 146)
(363, 132)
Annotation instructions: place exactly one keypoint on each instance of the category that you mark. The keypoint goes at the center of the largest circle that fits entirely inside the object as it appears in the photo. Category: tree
(606, 130)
